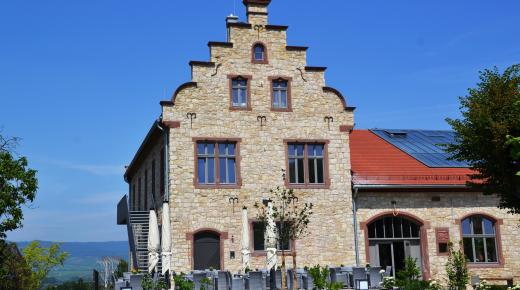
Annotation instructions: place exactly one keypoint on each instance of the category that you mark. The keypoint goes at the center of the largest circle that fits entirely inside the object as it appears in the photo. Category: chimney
(256, 11)
(230, 19)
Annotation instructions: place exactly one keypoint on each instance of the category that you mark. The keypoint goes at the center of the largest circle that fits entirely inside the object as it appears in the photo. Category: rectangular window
(306, 162)
(146, 190)
(206, 163)
(139, 194)
(132, 197)
(259, 238)
(162, 176)
(239, 92)
(217, 163)
(153, 179)
(280, 93)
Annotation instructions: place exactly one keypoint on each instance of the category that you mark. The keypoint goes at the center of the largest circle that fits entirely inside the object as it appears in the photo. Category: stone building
(412, 201)
(255, 109)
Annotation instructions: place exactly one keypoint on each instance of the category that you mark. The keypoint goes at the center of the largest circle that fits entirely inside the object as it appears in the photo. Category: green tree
(122, 267)
(490, 113)
(18, 186)
(14, 271)
(42, 260)
(409, 278)
(457, 269)
(293, 219)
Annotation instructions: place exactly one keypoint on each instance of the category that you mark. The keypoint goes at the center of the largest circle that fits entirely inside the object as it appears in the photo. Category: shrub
(457, 269)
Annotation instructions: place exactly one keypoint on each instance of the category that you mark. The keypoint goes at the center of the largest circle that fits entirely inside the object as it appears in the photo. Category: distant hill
(83, 257)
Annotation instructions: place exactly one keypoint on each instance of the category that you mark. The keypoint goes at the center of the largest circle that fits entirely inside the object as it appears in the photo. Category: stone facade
(262, 148)
(446, 213)
(262, 134)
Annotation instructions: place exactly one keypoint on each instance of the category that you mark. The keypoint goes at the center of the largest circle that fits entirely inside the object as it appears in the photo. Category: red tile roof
(377, 162)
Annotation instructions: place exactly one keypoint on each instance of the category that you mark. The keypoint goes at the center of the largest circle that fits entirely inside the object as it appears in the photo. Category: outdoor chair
(358, 273)
(290, 281)
(135, 281)
(388, 271)
(237, 283)
(337, 276)
(278, 279)
(475, 280)
(375, 277)
(197, 277)
(308, 282)
(256, 281)
(223, 280)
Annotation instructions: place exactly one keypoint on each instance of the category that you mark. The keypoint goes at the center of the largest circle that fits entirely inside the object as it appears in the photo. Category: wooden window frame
(139, 193)
(153, 179)
(248, 78)
(133, 198)
(260, 253)
(289, 93)
(306, 184)
(423, 230)
(217, 184)
(253, 59)
(145, 199)
(498, 240)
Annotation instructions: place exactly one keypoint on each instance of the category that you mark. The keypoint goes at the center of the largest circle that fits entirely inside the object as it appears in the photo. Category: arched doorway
(206, 250)
(391, 239)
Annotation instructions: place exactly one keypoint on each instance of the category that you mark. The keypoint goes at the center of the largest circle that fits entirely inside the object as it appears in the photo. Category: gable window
(306, 164)
(259, 238)
(259, 53)
(240, 95)
(280, 94)
(479, 238)
(217, 164)
(239, 92)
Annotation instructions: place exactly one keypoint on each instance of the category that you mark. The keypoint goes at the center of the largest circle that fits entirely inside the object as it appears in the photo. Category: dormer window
(239, 92)
(259, 53)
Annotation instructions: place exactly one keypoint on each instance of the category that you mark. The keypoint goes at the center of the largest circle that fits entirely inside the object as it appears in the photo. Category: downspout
(166, 140)
(354, 210)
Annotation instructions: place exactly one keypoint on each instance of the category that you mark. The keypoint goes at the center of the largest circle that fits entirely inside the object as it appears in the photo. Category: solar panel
(426, 146)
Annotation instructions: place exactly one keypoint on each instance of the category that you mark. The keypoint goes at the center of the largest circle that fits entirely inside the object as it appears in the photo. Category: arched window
(479, 239)
(259, 53)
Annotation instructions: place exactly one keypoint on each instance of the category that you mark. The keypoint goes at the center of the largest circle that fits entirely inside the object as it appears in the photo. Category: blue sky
(81, 81)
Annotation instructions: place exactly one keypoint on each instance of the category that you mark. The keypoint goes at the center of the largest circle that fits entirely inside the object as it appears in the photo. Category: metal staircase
(139, 224)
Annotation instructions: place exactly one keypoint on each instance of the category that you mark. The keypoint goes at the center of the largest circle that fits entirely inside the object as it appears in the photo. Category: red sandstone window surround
(217, 163)
(259, 53)
(482, 242)
(240, 92)
(307, 163)
(257, 243)
(281, 99)
(442, 235)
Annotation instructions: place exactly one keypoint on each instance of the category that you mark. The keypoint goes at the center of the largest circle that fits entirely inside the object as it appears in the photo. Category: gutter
(400, 186)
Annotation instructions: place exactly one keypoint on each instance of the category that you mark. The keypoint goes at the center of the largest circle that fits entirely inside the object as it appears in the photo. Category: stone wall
(445, 214)
(262, 150)
(150, 155)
